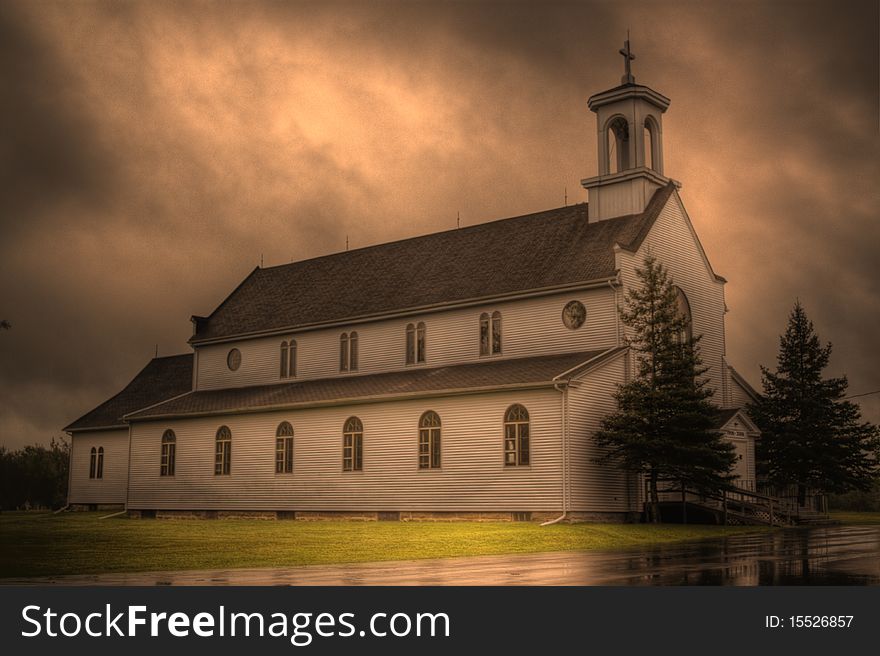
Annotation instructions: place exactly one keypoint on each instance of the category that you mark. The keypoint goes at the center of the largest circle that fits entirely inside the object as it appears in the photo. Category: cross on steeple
(628, 77)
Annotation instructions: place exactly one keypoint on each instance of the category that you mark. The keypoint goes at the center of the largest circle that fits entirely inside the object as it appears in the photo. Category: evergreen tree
(665, 425)
(810, 436)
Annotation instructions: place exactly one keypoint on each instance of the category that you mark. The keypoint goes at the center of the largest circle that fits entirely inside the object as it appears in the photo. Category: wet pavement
(832, 555)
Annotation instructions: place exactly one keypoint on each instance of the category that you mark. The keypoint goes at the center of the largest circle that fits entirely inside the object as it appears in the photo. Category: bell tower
(629, 119)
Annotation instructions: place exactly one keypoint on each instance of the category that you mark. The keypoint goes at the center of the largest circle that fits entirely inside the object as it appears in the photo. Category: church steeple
(629, 119)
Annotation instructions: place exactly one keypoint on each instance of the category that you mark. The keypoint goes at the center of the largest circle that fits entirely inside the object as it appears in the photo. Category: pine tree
(810, 436)
(665, 425)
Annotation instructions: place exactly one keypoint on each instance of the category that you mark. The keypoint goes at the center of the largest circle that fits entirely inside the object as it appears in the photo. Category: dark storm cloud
(49, 151)
(158, 149)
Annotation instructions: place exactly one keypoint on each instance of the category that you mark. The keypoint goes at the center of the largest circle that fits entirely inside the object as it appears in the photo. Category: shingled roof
(536, 251)
(493, 374)
(162, 379)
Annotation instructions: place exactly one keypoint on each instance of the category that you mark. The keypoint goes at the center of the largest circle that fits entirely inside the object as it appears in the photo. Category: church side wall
(596, 487)
(675, 246)
(530, 327)
(473, 477)
(111, 488)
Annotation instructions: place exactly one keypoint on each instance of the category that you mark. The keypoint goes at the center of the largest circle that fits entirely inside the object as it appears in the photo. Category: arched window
(348, 351)
(420, 341)
(352, 445)
(99, 472)
(651, 139)
(410, 343)
(169, 447)
(288, 359)
(683, 311)
(516, 436)
(496, 333)
(93, 462)
(429, 441)
(415, 343)
(284, 448)
(353, 352)
(223, 451)
(618, 145)
(490, 333)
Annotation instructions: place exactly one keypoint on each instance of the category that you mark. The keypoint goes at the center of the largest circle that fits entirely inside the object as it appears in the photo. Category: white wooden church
(460, 374)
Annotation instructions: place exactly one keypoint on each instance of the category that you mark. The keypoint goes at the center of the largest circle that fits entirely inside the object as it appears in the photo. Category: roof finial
(628, 77)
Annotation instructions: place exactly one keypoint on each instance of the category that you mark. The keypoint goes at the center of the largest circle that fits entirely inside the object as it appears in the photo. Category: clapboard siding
(596, 487)
(530, 327)
(110, 488)
(472, 478)
(673, 243)
(739, 397)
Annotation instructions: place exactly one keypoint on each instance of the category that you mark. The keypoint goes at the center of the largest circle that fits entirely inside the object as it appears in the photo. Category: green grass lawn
(42, 544)
(847, 517)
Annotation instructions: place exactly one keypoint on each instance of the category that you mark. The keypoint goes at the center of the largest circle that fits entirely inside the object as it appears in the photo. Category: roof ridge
(540, 250)
(169, 357)
(463, 229)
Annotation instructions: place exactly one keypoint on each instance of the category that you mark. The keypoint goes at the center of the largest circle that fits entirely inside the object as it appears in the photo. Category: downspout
(128, 477)
(564, 392)
(566, 492)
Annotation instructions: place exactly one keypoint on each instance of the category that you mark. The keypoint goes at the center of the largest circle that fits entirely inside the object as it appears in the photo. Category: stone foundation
(394, 516)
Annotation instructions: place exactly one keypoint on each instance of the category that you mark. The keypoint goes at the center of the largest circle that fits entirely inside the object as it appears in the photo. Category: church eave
(358, 400)
(625, 91)
(493, 374)
(410, 311)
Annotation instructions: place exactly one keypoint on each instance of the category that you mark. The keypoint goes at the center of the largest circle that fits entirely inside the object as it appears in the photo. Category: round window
(233, 359)
(574, 314)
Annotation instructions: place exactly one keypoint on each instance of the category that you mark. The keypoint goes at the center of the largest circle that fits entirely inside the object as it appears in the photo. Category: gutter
(358, 400)
(592, 360)
(90, 429)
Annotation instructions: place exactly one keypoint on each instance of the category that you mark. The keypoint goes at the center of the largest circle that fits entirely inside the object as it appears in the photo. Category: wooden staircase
(735, 506)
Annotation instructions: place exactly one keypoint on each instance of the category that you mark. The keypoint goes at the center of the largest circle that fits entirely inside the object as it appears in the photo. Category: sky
(154, 153)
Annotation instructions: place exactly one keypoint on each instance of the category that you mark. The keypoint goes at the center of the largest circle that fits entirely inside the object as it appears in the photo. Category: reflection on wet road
(818, 556)
(834, 555)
